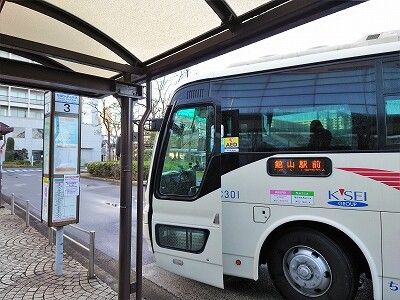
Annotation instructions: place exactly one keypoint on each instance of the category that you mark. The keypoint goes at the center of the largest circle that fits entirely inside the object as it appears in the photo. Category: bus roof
(383, 42)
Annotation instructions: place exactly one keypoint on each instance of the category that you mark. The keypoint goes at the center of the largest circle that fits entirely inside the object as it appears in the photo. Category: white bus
(288, 161)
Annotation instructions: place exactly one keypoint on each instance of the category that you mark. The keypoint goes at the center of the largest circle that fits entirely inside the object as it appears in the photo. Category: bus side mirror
(155, 124)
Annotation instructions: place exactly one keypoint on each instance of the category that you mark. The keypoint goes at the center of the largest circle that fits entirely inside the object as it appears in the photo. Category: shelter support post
(140, 192)
(1, 171)
(125, 228)
(1, 180)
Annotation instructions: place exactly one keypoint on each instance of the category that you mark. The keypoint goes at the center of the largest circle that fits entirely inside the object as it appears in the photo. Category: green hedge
(16, 163)
(37, 163)
(22, 163)
(112, 169)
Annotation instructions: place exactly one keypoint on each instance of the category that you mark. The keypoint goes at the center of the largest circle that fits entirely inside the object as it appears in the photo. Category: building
(91, 137)
(22, 108)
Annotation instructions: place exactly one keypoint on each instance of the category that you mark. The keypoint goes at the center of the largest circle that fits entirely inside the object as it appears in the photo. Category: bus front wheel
(305, 264)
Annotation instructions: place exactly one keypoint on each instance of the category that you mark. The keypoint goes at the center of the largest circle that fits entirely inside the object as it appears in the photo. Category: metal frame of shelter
(4, 130)
(269, 18)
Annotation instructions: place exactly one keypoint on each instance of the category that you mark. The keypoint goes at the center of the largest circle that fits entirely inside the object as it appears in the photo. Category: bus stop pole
(59, 250)
(140, 199)
(125, 228)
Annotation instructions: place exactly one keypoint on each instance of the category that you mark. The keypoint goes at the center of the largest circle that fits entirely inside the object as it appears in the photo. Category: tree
(109, 112)
(109, 108)
(21, 154)
(10, 149)
(163, 89)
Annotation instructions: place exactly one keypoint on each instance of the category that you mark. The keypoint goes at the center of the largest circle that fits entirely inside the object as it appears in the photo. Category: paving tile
(27, 267)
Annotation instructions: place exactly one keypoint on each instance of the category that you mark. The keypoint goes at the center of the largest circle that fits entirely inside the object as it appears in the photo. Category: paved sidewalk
(27, 267)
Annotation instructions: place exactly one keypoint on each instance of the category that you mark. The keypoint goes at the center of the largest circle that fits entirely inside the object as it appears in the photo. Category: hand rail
(91, 233)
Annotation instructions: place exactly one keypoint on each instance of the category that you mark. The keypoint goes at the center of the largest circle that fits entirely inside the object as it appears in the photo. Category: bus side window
(393, 120)
(391, 90)
(364, 132)
(275, 110)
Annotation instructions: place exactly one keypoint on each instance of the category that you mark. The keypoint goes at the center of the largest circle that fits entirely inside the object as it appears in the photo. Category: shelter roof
(79, 43)
(4, 129)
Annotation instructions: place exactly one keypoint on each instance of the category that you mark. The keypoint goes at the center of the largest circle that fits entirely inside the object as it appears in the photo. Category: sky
(340, 28)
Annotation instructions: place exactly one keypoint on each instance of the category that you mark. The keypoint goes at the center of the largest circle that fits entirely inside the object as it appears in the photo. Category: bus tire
(306, 264)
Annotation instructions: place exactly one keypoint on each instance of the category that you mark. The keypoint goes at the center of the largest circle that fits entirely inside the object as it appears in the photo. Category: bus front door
(186, 219)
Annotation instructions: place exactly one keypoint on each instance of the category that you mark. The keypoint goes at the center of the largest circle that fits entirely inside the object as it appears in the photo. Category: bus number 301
(229, 194)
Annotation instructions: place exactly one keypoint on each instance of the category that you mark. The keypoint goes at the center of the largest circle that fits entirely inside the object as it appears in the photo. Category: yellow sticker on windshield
(231, 144)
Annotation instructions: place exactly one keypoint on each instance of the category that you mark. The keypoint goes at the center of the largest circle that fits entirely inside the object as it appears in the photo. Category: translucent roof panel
(19, 21)
(149, 28)
(86, 69)
(240, 7)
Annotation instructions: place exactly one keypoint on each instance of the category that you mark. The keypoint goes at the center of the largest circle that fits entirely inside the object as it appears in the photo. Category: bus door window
(189, 148)
(230, 125)
(248, 126)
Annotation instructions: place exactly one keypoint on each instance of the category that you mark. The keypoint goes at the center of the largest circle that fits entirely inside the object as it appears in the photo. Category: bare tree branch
(109, 108)
(109, 112)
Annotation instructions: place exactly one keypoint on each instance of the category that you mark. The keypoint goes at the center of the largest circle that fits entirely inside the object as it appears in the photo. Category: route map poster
(64, 207)
(66, 145)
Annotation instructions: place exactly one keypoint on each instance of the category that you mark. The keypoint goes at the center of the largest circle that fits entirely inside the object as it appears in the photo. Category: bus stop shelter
(111, 47)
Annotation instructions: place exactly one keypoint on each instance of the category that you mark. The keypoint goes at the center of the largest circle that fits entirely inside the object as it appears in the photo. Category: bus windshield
(190, 144)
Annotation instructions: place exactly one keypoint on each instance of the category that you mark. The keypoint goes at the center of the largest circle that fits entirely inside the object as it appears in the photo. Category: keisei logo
(347, 198)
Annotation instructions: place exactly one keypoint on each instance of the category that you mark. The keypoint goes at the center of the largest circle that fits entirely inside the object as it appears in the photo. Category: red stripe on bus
(388, 178)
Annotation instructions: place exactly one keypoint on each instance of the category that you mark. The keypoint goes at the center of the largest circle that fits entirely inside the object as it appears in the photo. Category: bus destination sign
(299, 166)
